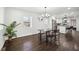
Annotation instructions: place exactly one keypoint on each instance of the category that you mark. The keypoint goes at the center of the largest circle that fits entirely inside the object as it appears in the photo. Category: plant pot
(7, 44)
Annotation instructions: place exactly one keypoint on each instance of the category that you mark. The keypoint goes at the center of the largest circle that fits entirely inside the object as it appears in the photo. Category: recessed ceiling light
(69, 8)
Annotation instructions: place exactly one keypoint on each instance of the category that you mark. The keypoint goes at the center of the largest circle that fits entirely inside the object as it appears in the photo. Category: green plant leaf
(4, 25)
(9, 32)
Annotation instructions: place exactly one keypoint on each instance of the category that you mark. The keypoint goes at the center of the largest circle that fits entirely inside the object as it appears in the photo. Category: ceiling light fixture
(68, 8)
(45, 15)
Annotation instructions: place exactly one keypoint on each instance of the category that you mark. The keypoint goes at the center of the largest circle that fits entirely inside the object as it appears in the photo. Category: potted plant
(9, 31)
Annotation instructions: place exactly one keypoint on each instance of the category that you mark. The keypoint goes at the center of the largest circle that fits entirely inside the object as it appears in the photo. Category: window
(28, 21)
(1, 17)
(1, 22)
(25, 20)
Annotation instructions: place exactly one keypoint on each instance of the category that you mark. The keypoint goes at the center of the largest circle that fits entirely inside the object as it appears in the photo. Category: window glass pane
(1, 17)
(1, 22)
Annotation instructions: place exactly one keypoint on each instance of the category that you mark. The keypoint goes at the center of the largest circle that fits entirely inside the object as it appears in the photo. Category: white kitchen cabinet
(62, 29)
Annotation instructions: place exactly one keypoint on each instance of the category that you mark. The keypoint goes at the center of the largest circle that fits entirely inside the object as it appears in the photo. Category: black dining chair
(49, 36)
(42, 36)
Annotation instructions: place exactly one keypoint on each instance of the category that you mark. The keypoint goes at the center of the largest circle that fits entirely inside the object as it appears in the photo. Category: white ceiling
(50, 10)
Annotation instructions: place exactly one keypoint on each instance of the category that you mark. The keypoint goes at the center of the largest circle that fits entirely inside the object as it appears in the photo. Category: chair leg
(46, 40)
(58, 39)
(40, 38)
(51, 39)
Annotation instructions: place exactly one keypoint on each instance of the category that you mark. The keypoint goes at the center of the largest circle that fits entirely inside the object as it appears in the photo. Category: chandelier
(45, 15)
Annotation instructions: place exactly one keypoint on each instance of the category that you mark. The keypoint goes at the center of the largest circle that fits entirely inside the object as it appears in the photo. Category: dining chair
(49, 36)
(42, 36)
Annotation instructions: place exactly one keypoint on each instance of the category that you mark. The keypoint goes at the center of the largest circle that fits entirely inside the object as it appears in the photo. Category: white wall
(1, 28)
(13, 14)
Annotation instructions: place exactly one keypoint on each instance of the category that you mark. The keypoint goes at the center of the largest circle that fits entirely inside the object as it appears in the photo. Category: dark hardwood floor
(68, 42)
